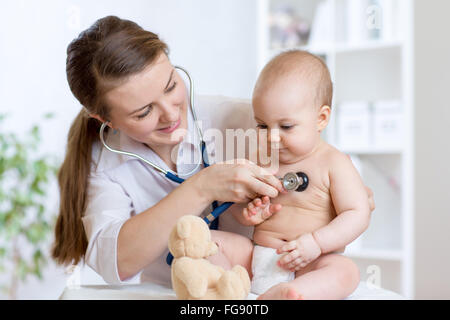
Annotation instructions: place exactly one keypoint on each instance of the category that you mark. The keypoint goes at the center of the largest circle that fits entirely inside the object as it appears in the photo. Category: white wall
(214, 39)
(432, 149)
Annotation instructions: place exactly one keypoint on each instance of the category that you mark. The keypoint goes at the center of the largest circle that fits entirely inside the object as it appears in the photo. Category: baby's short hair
(301, 64)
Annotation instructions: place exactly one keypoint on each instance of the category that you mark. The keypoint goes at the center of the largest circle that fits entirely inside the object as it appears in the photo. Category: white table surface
(149, 291)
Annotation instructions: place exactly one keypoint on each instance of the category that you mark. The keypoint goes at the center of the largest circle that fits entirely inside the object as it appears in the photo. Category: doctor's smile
(171, 128)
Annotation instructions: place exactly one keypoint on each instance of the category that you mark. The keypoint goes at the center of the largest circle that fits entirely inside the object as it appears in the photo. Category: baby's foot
(281, 291)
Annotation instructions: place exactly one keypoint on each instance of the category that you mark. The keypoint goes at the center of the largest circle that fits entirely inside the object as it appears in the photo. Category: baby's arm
(349, 198)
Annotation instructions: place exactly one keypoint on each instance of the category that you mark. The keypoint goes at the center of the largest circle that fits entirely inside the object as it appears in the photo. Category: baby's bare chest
(301, 212)
(306, 211)
(316, 196)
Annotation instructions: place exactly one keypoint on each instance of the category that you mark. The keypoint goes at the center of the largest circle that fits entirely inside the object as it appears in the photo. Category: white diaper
(266, 272)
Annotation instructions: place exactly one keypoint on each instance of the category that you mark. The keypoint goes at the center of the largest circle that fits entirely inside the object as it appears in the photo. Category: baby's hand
(301, 252)
(259, 210)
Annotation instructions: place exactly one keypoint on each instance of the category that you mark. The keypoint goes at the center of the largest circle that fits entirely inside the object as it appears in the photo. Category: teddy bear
(194, 277)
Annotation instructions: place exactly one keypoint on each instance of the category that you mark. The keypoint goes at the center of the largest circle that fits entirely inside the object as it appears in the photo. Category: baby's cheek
(302, 145)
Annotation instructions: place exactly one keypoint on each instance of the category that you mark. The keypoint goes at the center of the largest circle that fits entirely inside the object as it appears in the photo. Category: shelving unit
(376, 254)
(374, 68)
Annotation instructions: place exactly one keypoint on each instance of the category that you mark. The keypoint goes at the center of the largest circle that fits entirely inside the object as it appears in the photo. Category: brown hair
(99, 59)
(304, 64)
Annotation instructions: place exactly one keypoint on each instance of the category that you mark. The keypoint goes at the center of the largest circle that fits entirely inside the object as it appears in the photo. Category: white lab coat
(122, 186)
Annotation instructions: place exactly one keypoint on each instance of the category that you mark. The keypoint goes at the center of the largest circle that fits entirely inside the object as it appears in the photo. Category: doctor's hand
(238, 181)
(371, 199)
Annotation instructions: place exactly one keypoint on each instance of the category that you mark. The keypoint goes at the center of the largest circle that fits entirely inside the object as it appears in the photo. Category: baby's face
(289, 110)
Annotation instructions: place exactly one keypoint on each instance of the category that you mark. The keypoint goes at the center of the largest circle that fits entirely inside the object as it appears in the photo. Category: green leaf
(49, 115)
(36, 232)
(25, 176)
(39, 261)
(35, 132)
(22, 269)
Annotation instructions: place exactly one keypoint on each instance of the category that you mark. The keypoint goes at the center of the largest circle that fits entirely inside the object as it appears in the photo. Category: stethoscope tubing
(217, 210)
(126, 153)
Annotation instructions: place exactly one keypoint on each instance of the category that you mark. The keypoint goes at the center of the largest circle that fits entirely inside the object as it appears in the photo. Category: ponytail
(70, 238)
(98, 60)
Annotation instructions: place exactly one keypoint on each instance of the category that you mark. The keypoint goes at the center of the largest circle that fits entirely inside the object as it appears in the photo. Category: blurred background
(389, 61)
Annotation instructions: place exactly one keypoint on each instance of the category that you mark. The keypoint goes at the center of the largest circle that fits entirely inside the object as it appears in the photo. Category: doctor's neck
(166, 153)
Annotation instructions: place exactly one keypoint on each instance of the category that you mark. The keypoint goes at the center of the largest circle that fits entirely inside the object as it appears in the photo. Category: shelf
(372, 151)
(375, 254)
(342, 48)
(367, 46)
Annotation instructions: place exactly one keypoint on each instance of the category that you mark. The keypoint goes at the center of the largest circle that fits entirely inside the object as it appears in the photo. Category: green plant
(25, 224)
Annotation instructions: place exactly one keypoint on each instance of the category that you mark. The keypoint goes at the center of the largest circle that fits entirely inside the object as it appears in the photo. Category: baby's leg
(331, 276)
(233, 249)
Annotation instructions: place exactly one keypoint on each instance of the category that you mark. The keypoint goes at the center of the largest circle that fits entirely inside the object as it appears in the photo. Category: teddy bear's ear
(183, 228)
(178, 250)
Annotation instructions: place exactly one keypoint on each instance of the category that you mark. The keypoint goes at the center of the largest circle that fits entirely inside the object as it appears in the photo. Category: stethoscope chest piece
(295, 181)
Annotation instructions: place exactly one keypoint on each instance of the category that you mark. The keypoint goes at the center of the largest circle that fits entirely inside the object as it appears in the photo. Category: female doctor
(116, 212)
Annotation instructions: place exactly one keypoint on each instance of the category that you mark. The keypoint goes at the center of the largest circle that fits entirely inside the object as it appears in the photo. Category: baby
(298, 235)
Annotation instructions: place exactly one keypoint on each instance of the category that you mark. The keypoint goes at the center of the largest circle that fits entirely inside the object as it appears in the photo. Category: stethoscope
(291, 181)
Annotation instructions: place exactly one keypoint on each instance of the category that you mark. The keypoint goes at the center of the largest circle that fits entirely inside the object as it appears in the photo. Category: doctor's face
(151, 106)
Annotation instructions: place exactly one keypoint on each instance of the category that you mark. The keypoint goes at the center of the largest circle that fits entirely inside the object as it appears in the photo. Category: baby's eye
(261, 126)
(286, 127)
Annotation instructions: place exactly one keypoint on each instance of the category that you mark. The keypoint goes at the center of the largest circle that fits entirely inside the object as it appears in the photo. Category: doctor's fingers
(262, 188)
(267, 177)
(370, 198)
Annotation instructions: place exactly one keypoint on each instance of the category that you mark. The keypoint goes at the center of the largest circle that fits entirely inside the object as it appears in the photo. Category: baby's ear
(323, 117)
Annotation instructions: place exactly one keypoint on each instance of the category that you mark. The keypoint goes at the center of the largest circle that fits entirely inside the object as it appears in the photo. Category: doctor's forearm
(143, 238)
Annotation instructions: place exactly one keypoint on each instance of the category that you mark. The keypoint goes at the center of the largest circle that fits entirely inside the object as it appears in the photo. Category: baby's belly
(289, 224)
